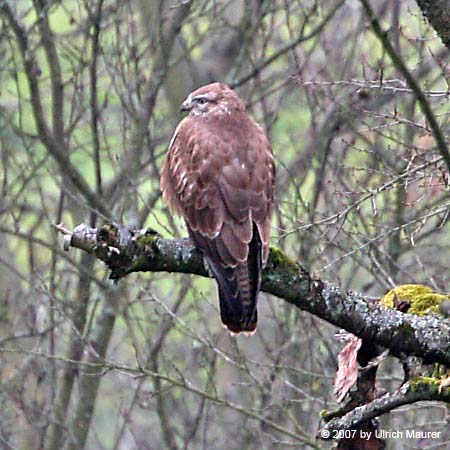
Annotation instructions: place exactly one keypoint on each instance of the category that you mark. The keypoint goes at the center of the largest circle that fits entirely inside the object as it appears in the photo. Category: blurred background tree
(89, 96)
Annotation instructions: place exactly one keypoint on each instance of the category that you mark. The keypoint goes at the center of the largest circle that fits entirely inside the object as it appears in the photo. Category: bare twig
(55, 148)
(418, 92)
(288, 47)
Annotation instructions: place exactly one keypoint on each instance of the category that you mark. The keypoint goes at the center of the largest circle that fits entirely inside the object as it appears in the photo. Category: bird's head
(214, 98)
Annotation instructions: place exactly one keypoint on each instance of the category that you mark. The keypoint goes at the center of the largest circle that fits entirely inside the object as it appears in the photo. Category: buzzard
(219, 176)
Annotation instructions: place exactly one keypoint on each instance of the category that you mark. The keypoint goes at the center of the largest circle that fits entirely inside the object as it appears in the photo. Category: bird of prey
(219, 176)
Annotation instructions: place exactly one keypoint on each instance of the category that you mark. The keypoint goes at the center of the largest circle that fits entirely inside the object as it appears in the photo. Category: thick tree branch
(126, 251)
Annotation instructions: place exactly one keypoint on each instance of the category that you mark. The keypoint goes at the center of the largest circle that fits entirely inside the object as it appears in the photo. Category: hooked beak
(186, 105)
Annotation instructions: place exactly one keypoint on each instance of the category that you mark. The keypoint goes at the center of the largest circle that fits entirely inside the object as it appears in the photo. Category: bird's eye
(201, 100)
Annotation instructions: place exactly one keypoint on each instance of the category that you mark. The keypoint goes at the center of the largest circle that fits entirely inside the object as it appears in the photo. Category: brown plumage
(219, 176)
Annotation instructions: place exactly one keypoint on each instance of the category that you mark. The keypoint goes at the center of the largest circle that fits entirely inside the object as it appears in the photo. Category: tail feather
(238, 290)
(237, 307)
(238, 286)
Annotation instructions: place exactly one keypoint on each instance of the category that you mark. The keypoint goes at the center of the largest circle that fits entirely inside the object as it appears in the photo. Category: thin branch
(103, 366)
(417, 90)
(288, 47)
(95, 50)
(161, 65)
(91, 377)
(58, 430)
(48, 42)
(54, 147)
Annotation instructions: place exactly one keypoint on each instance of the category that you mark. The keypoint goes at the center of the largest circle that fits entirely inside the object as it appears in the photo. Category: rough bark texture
(438, 14)
(126, 251)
